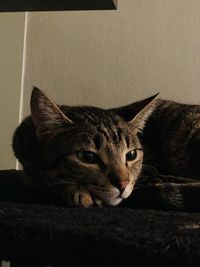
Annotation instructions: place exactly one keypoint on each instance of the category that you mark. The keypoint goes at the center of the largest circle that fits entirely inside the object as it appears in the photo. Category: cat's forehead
(100, 128)
(91, 115)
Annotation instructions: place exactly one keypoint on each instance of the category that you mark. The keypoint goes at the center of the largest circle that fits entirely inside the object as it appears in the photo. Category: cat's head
(97, 148)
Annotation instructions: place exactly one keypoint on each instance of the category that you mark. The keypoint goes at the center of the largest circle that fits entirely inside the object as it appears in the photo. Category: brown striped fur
(164, 136)
(172, 134)
(48, 144)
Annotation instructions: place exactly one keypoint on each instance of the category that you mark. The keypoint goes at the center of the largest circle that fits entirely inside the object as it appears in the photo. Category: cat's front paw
(79, 196)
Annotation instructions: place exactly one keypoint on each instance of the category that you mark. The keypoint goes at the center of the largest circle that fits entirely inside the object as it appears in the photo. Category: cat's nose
(122, 185)
(116, 181)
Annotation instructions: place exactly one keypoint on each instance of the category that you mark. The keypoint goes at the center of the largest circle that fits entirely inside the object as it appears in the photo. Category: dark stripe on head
(114, 135)
(91, 116)
(119, 133)
(104, 133)
(127, 139)
(97, 142)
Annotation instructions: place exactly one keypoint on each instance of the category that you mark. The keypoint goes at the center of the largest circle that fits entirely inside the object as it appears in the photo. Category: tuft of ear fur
(46, 115)
(137, 113)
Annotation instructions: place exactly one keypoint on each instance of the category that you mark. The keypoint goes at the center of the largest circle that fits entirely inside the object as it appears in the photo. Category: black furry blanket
(32, 232)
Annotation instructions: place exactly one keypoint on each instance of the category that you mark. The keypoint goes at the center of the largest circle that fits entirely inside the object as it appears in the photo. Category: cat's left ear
(137, 113)
(47, 117)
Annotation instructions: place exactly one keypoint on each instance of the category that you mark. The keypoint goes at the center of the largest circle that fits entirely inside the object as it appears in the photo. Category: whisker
(136, 187)
(62, 183)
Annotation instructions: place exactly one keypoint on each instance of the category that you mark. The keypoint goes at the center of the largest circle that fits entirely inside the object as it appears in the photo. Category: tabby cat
(92, 156)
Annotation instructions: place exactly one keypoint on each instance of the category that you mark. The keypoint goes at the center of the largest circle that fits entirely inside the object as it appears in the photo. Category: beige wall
(11, 49)
(111, 58)
(104, 58)
(100, 58)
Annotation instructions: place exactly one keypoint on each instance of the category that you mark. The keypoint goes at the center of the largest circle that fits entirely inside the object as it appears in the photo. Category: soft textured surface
(99, 237)
(96, 236)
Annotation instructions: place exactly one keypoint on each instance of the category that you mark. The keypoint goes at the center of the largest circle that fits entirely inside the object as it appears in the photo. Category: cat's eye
(87, 156)
(131, 155)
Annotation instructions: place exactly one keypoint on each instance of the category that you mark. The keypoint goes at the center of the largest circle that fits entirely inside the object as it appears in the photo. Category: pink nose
(122, 185)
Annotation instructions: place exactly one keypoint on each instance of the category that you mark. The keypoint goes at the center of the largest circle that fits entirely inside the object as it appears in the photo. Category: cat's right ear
(46, 115)
(138, 112)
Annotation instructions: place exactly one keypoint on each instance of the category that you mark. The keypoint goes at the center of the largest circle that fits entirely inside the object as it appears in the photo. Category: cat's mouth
(111, 196)
(114, 202)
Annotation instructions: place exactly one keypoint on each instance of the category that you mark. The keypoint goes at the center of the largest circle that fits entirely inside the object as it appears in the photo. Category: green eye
(131, 155)
(87, 156)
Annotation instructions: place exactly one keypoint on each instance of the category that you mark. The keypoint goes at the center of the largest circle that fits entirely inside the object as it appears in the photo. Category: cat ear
(137, 113)
(46, 115)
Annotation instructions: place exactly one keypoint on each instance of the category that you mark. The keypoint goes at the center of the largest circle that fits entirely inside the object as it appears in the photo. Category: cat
(90, 156)
(87, 155)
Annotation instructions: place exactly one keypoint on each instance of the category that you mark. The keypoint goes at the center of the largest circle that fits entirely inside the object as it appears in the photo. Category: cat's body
(93, 156)
(172, 138)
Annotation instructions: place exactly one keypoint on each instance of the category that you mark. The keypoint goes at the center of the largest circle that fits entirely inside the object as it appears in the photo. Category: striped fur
(164, 135)
(47, 144)
(172, 134)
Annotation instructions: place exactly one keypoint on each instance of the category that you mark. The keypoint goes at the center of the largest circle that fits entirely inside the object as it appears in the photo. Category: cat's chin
(118, 200)
(115, 201)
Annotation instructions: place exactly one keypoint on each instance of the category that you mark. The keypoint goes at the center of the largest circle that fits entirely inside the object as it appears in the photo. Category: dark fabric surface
(98, 237)
(56, 235)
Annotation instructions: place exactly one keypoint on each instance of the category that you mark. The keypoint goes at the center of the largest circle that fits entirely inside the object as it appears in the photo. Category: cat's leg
(150, 174)
(79, 196)
(156, 191)
(48, 189)
(179, 196)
